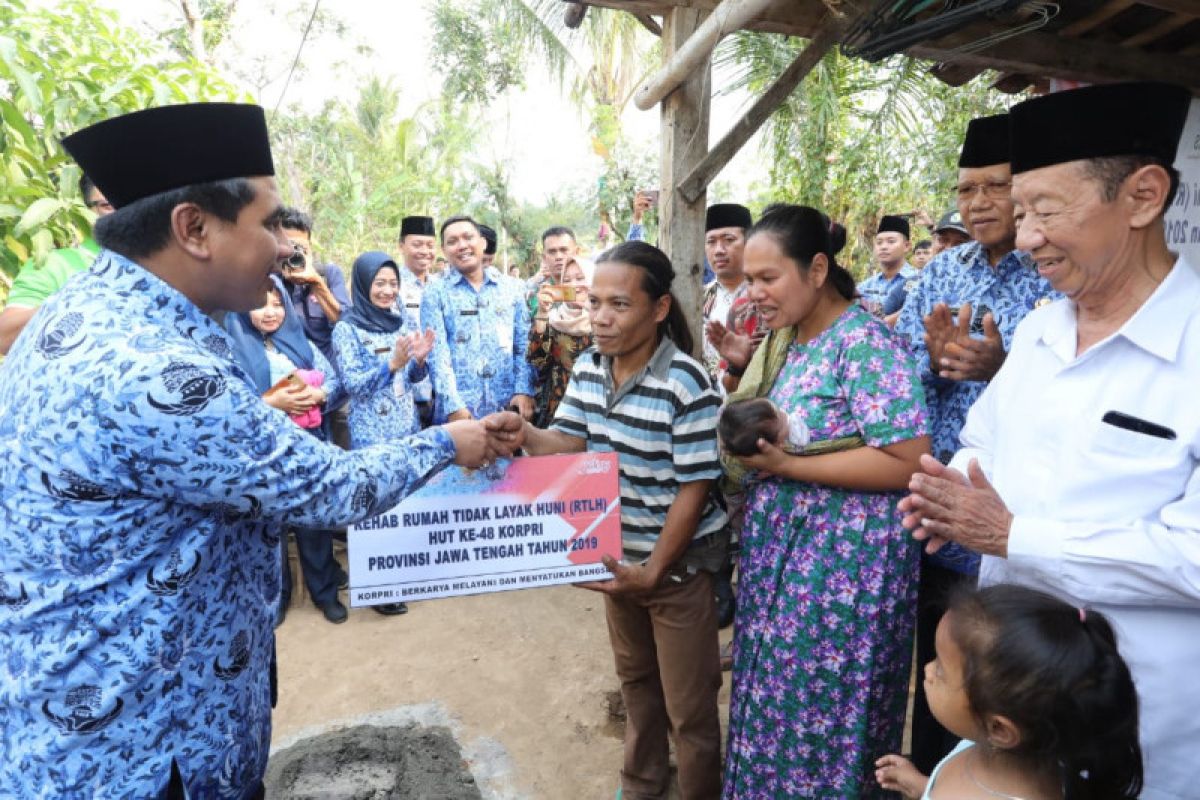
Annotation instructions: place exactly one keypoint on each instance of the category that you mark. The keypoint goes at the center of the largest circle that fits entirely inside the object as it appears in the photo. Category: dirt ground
(521, 680)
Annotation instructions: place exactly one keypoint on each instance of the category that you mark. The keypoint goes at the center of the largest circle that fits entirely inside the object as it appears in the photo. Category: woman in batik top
(380, 353)
(826, 599)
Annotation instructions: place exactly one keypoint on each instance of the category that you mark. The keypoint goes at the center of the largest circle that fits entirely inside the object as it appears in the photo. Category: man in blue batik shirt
(146, 482)
(891, 251)
(960, 317)
(482, 324)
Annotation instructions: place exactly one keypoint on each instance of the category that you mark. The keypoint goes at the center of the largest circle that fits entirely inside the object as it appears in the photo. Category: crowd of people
(977, 453)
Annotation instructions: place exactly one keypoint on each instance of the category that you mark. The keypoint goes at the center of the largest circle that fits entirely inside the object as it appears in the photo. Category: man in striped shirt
(638, 394)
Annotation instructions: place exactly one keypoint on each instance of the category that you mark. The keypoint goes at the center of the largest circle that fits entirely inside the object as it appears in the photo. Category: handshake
(478, 443)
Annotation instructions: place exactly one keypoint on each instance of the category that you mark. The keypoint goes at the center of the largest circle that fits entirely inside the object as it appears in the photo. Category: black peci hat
(727, 215)
(986, 142)
(417, 226)
(152, 151)
(1117, 119)
(893, 224)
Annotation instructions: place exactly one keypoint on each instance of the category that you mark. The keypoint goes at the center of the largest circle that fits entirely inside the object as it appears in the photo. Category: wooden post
(685, 114)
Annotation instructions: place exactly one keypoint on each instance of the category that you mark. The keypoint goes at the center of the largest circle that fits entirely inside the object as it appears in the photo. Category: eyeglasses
(996, 190)
(99, 205)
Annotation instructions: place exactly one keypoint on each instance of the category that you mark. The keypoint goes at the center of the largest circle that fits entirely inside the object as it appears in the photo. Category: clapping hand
(400, 353)
(954, 353)
(939, 331)
(969, 359)
(735, 348)
(421, 345)
(945, 505)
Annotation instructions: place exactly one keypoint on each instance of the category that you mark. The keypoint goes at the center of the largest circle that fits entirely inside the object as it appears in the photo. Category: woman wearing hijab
(270, 345)
(381, 354)
(561, 330)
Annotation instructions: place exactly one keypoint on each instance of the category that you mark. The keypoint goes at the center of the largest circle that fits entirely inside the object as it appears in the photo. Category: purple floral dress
(827, 594)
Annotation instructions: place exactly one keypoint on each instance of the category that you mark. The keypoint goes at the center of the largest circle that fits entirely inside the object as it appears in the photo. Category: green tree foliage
(859, 140)
(486, 47)
(360, 169)
(62, 69)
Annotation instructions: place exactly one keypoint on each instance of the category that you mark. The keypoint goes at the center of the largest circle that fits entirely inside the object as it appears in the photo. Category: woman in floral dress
(561, 330)
(826, 601)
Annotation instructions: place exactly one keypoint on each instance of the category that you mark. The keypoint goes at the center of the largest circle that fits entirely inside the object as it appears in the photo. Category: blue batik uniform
(875, 289)
(478, 363)
(954, 277)
(145, 483)
(381, 402)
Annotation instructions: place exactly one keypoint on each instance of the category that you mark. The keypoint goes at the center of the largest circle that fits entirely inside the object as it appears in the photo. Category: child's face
(944, 686)
(268, 317)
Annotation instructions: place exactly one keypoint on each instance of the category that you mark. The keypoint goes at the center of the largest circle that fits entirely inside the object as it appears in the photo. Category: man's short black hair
(457, 218)
(924, 244)
(86, 187)
(143, 227)
(557, 230)
(293, 219)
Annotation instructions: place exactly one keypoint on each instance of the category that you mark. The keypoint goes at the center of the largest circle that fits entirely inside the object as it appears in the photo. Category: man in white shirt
(1081, 457)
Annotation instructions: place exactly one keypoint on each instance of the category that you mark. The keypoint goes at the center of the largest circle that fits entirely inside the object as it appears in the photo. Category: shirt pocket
(1110, 440)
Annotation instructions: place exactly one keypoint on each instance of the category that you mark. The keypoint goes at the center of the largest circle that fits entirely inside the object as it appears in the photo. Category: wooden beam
(649, 23)
(730, 16)
(1174, 6)
(1012, 83)
(1096, 18)
(685, 116)
(1155, 32)
(702, 174)
(1048, 55)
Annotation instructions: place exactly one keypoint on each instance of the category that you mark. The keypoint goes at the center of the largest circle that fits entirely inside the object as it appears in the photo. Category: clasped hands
(954, 353)
(479, 442)
(946, 506)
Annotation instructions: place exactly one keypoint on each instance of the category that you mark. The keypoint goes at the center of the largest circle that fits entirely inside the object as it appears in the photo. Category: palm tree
(858, 139)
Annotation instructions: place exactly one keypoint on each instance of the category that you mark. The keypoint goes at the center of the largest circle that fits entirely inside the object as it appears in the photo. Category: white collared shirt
(1106, 517)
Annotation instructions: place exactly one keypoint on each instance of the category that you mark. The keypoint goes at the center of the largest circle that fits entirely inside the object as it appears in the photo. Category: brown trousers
(667, 656)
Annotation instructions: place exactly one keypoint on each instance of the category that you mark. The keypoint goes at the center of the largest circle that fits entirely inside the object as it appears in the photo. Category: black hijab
(363, 313)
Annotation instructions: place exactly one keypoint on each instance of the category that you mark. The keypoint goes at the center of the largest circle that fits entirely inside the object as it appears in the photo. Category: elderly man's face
(1080, 242)
(985, 202)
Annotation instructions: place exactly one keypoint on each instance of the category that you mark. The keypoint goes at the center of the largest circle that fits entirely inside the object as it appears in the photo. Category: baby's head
(1021, 671)
(744, 422)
